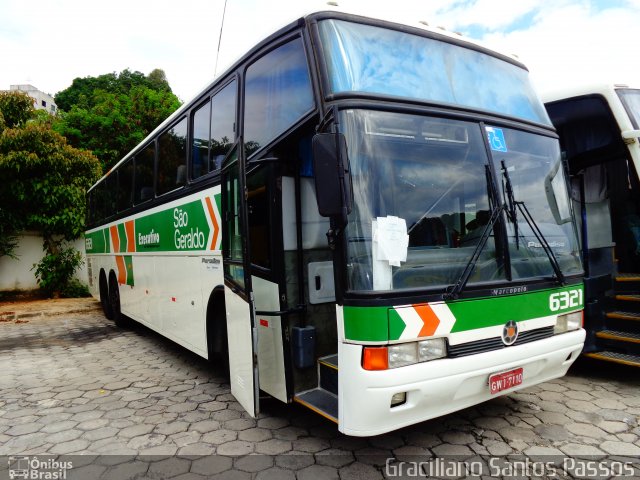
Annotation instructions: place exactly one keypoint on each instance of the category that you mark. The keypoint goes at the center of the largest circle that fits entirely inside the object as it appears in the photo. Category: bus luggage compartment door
(241, 338)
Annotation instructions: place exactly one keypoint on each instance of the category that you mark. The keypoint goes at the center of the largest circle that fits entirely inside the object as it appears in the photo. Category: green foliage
(55, 271)
(116, 123)
(16, 108)
(81, 90)
(8, 235)
(44, 181)
(111, 114)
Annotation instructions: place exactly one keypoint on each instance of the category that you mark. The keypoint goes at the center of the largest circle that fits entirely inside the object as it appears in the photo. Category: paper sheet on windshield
(390, 235)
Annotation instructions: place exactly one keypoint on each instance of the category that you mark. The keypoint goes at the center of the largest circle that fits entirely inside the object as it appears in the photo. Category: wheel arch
(216, 323)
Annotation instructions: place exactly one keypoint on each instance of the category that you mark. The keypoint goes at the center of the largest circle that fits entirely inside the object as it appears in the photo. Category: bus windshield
(432, 176)
(631, 100)
(375, 60)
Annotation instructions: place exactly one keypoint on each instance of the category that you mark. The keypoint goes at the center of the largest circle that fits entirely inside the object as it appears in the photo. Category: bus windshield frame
(422, 196)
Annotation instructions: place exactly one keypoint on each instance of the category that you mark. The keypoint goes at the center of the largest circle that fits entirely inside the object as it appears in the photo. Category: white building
(41, 100)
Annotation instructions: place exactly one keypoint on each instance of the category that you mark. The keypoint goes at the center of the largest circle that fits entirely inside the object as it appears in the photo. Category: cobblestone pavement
(76, 384)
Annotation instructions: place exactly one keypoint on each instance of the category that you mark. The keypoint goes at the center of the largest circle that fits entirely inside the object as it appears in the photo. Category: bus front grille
(489, 344)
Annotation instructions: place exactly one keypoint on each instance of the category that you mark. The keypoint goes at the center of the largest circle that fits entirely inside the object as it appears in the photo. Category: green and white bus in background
(599, 128)
(368, 218)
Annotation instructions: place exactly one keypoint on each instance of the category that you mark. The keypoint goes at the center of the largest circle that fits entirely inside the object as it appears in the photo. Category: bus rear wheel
(114, 301)
(104, 296)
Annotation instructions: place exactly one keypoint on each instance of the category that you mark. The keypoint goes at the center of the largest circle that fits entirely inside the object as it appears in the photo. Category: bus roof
(416, 27)
(580, 90)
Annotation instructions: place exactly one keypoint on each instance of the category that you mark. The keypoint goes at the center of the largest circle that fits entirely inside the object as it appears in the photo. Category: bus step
(320, 401)
(628, 297)
(623, 315)
(328, 373)
(619, 336)
(622, 358)
(627, 277)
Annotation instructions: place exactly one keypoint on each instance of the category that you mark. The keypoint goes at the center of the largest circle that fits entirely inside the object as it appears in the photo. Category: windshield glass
(422, 201)
(631, 100)
(531, 164)
(371, 59)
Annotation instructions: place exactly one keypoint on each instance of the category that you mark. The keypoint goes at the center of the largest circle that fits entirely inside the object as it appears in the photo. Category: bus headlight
(431, 349)
(403, 354)
(399, 355)
(568, 322)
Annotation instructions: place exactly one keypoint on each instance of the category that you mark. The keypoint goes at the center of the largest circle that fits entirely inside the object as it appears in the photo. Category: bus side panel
(180, 301)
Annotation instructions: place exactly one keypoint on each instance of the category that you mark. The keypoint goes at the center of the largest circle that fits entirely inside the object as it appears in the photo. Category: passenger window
(172, 158)
(277, 93)
(90, 213)
(100, 202)
(125, 185)
(259, 216)
(111, 185)
(200, 142)
(144, 163)
(223, 120)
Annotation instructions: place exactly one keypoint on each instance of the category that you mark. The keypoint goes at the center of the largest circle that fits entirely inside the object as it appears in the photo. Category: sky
(49, 43)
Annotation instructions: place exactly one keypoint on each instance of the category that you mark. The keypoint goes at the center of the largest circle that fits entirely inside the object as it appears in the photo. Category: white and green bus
(368, 218)
(599, 129)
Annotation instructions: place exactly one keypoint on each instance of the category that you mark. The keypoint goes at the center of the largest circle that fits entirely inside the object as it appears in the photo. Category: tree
(44, 180)
(16, 107)
(111, 114)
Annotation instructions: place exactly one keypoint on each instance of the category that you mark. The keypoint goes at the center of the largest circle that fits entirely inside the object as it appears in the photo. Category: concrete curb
(23, 311)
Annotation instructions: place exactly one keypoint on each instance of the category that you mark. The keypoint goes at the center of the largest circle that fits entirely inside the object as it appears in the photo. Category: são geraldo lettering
(192, 239)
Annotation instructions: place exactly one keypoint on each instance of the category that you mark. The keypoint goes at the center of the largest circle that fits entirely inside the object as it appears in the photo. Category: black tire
(104, 296)
(114, 302)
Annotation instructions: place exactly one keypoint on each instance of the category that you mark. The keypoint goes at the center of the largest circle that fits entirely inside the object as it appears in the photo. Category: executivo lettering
(151, 238)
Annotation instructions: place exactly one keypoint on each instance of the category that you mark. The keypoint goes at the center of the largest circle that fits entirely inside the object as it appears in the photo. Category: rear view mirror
(555, 189)
(332, 177)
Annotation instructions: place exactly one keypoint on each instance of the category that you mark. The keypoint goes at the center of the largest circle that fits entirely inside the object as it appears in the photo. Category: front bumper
(441, 386)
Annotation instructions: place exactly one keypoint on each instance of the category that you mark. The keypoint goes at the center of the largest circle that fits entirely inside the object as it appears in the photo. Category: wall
(17, 274)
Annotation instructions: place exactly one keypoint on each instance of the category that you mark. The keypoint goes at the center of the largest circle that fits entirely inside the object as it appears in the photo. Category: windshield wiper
(512, 209)
(453, 292)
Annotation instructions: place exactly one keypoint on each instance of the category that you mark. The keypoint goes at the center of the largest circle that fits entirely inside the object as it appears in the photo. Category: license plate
(505, 380)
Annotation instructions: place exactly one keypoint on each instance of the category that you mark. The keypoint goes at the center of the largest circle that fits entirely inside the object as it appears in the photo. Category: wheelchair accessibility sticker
(496, 139)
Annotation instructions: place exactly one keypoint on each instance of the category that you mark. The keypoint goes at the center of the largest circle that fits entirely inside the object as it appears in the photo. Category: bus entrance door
(241, 331)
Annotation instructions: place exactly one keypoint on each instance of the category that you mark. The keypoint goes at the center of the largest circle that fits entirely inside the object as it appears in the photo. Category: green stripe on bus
(97, 242)
(367, 324)
(128, 263)
(494, 311)
(176, 229)
(396, 324)
(383, 324)
(122, 235)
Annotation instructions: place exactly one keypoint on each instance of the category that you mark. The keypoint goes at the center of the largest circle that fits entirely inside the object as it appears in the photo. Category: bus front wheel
(104, 296)
(217, 345)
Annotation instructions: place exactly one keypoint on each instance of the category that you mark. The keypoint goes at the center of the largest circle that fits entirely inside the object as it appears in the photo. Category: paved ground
(73, 383)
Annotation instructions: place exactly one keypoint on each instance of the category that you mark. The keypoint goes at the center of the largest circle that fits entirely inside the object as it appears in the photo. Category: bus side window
(144, 165)
(223, 119)
(125, 185)
(172, 154)
(200, 142)
(277, 93)
(111, 186)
